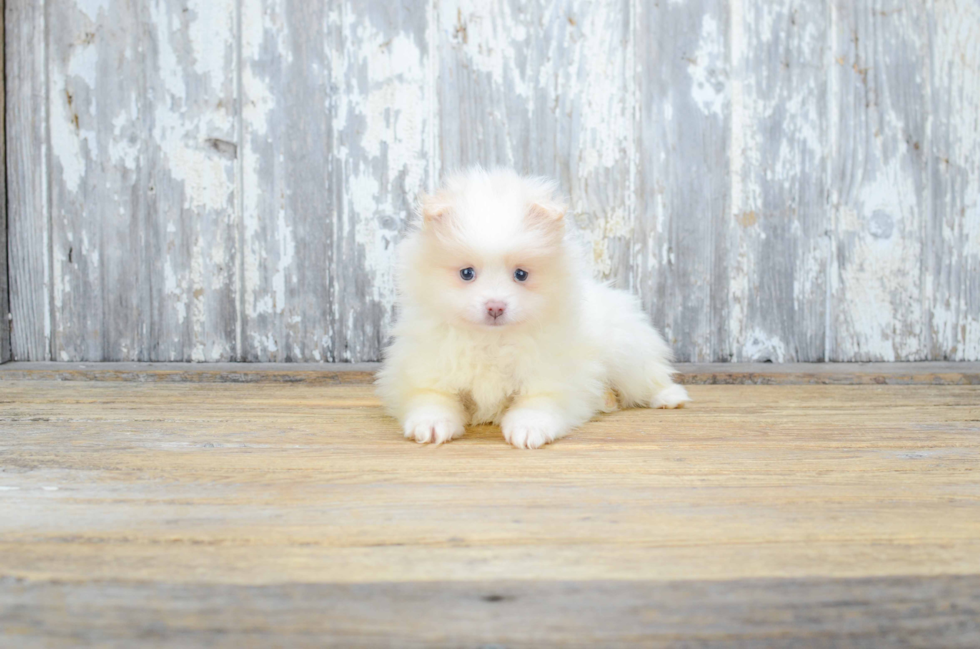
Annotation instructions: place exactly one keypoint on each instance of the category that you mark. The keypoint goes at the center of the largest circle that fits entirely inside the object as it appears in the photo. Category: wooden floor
(277, 513)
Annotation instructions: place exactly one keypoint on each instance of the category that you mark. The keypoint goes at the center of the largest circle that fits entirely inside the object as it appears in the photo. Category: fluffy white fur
(560, 341)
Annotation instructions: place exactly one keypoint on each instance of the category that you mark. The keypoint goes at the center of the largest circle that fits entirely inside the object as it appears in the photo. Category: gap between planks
(921, 373)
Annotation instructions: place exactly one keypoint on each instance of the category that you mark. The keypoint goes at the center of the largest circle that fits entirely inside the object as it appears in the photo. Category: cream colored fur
(543, 366)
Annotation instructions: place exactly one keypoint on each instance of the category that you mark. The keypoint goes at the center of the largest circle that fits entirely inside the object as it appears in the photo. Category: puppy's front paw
(674, 396)
(432, 425)
(529, 428)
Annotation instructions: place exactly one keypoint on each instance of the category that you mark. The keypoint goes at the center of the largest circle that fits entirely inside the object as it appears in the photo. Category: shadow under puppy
(500, 321)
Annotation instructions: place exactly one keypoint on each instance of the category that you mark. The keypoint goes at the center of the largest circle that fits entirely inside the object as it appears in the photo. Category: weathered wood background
(215, 180)
(4, 293)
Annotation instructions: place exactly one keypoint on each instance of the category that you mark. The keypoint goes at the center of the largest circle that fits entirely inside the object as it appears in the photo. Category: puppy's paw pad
(674, 396)
(531, 428)
(432, 428)
(610, 401)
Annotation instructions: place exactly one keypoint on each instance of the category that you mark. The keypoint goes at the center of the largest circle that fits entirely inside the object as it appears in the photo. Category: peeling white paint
(264, 28)
(211, 22)
(707, 69)
(880, 303)
(287, 254)
(742, 268)
(173, 291)
(392, 101)
(554, 87)
(181, 133)
(488, 34)
(170, 70)
(761, 347)
(124, 151)
(66, 138)
(91, 8)
(955, 52)
(881, 274)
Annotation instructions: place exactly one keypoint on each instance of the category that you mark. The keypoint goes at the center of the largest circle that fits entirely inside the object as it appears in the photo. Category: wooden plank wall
(4, 291)
(212, 180)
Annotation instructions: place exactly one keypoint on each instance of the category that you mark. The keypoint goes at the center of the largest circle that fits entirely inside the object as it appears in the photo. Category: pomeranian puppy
(500, 321)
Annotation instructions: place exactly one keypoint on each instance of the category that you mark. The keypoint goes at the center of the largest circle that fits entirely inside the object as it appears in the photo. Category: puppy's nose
(495, 309)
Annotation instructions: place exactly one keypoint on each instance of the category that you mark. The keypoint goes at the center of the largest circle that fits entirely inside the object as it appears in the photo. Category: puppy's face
(484, 287)
(489, 262)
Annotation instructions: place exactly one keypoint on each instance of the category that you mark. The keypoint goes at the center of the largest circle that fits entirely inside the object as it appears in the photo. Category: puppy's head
(490, 251)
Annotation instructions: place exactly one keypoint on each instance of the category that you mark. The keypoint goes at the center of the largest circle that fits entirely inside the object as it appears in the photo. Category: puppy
(500, 321)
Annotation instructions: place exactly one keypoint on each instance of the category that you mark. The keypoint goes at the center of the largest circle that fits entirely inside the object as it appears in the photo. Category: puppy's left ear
(547, 214)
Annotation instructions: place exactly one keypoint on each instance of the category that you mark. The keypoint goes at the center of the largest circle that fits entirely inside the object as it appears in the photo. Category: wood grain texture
(384, 110)
(215, 181)
(28, 227)
(952, 240)
(683, 193)
(96, 199)
(935, 612)
(288, 188)
(879, 180)
(4, 290)
(142, 135)
(188, 175)
(778, 230)
(893, 373)
(843, 514)
(337, 144)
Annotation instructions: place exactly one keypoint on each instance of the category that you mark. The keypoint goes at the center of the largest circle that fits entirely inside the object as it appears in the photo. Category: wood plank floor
(236, 514)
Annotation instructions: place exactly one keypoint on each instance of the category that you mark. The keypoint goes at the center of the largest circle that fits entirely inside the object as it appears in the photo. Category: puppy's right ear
(435, 209)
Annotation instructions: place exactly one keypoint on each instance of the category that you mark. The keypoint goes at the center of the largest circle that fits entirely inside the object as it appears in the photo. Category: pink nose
(495, 309)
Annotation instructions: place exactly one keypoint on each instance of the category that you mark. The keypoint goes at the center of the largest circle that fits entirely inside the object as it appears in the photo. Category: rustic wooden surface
(881, 157)
(190, 514)
(874, 613)
(951, 267)
(4, 292)
(924, 373)
(212, 180)
(28, 228)
(776, 242)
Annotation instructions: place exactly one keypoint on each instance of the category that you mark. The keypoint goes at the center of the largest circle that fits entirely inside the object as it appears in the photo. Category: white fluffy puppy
(500, 321)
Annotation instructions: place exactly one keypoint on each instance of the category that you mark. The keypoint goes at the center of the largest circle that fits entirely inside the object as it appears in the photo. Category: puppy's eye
(468, 274)
(520, 275)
